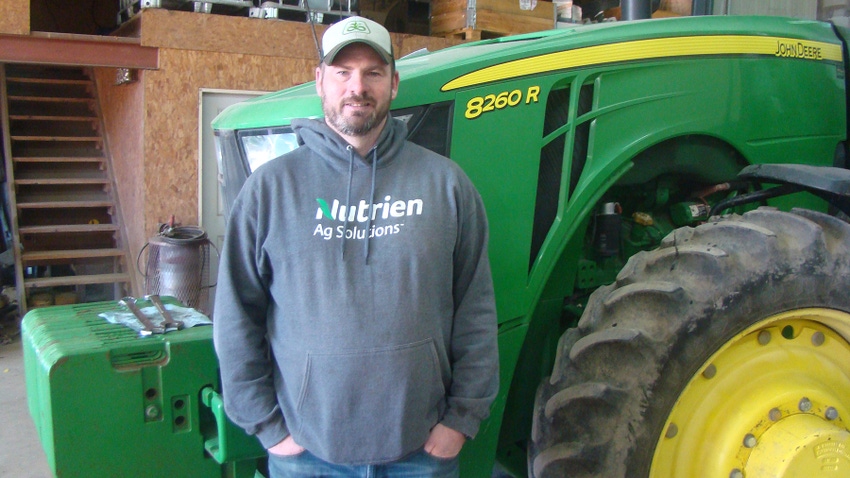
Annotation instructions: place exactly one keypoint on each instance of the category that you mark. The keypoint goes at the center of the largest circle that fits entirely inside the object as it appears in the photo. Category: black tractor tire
(705, 355)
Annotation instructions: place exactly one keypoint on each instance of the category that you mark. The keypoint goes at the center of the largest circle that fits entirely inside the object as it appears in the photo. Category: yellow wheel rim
(774, 401)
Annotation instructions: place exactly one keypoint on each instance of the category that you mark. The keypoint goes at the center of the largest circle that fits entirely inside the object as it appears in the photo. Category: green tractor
(668, 203)
(668, 244)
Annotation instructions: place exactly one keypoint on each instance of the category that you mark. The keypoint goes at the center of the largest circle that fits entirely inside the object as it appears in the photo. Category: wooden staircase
(63, 215)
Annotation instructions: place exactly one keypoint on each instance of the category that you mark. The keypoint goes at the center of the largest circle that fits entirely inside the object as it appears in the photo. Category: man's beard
(345, 125)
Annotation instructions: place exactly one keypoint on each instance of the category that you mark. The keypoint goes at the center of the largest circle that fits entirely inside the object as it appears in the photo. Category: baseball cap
(353, 30)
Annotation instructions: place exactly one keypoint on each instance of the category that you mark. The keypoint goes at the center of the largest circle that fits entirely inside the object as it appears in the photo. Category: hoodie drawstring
(347, 196)
(371, 202)
(347, 214)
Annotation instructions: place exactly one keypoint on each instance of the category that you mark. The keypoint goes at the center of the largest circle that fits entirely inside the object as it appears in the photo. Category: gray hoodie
(354, 307)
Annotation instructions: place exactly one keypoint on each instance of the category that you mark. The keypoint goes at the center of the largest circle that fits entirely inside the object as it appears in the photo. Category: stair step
(77, 280)
(54, 128)
(70, 254)
(57, 138)
(49, 88)
(19, 117)
(51, 99)
(47, 149)
(68, 228)
(23, 70)
(47, 81)
(58, 159)
(60, 181)
(61, 171)
(63, 204)
(64, 196)
(70, 194)
(51, 109)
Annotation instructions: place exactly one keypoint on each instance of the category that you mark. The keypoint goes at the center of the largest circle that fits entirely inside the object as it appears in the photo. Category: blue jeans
(418, 465)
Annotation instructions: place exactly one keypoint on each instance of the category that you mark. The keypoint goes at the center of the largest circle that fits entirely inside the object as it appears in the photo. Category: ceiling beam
(77, 50)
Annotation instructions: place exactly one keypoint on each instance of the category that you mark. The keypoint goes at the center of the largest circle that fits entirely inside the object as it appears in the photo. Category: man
(355, 318)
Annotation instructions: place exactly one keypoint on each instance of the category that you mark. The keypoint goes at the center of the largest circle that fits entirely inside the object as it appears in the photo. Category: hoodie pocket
(370, 405)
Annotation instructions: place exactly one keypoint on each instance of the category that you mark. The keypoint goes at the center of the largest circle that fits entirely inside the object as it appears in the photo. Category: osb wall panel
(186, 30)
(171, 121)
(15, 17)
(219, 33)
(122, 107)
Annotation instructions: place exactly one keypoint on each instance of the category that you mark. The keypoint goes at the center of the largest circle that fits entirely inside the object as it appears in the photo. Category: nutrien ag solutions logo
(359, 213)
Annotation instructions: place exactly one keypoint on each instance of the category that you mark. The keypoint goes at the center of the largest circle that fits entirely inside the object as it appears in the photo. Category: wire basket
(178, 265)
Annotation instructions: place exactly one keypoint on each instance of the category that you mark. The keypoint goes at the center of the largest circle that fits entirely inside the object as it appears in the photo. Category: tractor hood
(428, 77)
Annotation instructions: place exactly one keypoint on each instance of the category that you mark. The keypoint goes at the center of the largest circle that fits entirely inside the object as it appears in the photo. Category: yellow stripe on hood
(652, 49)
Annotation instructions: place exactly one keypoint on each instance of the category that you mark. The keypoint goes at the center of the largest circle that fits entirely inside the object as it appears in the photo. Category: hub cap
(772, 401)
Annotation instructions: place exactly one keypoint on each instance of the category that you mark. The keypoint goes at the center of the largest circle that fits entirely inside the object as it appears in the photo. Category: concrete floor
(21, 455)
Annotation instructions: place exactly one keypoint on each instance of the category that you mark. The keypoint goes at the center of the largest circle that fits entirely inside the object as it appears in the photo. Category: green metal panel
(476, 458)
(103, 398)
(500, 151)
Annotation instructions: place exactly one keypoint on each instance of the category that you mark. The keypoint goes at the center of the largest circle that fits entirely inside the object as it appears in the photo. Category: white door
(211, 205)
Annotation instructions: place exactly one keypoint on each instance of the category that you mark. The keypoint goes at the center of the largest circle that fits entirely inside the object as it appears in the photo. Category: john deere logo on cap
(356, 26)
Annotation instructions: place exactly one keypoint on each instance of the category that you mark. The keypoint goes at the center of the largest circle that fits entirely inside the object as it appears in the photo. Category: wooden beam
(77, 50)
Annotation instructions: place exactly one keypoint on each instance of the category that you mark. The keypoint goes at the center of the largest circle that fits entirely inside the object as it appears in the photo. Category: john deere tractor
(668, 205)
(670, 259)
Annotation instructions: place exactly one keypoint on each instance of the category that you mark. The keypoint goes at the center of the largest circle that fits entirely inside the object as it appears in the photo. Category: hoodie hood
(328, 144)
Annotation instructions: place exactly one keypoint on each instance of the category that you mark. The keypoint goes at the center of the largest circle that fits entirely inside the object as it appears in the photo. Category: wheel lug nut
(764, 337)
(831, 413)
(736, 473)
(709, 371)
(805, 404)
(774, 415)
(672, 431)
(818, 338)
(750, 440)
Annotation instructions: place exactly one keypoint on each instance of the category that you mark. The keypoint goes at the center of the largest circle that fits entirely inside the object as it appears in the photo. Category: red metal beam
(77, 50)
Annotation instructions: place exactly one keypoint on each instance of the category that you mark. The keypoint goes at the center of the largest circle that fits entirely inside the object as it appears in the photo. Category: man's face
(356, 90)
